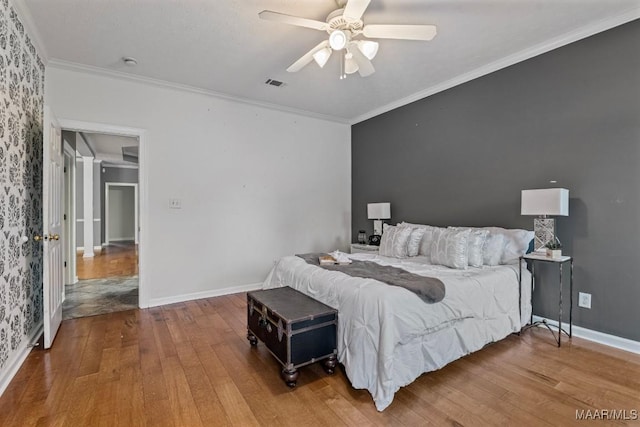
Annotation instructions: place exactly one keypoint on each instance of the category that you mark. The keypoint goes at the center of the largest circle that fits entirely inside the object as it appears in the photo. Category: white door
(52, 181)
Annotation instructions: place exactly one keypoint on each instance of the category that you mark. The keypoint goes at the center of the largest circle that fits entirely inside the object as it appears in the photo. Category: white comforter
(382, 329)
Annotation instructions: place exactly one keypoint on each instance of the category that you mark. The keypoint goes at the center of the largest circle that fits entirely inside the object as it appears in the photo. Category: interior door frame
(70, 274)
(107, 187)
(143, 179)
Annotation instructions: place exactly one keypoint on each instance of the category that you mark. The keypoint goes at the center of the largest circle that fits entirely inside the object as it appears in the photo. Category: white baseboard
(595, 336)
(95, 248)
(18, 358)
(154, 302)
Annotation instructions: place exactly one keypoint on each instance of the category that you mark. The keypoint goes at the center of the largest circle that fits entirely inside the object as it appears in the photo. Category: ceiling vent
(275, 83)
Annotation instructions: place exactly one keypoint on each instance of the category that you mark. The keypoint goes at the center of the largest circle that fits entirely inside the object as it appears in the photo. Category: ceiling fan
(344, 26)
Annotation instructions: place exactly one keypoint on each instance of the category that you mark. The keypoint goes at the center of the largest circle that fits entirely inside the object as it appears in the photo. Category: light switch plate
(175, 204)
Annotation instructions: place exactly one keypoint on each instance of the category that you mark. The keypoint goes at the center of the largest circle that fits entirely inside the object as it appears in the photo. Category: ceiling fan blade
(306, 58)
(405, 32)
(354, 9)
(365, 67)
(292, 20)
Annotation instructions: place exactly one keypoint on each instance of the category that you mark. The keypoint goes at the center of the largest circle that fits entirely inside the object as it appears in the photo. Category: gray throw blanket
(429, 289)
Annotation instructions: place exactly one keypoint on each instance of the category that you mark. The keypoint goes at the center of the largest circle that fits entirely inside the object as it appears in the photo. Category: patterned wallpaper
(21, 109)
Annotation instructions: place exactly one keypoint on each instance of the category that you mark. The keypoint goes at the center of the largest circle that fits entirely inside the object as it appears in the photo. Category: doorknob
(37, 237)
(54, 236)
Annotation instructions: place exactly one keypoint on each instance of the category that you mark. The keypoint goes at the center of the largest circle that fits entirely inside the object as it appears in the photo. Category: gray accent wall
(70, 138)
(462, 156)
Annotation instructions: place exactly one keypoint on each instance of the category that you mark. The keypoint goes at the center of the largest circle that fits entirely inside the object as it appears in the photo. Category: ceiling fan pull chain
(343, 75)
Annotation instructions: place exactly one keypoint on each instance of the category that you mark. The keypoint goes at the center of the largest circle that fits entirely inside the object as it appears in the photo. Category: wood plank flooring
(117, 259)
(190, 364)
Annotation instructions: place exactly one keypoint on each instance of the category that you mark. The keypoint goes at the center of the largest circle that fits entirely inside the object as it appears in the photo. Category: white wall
(255, 184)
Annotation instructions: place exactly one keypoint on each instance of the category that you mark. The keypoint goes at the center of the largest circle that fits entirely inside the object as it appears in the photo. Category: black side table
(560, 261)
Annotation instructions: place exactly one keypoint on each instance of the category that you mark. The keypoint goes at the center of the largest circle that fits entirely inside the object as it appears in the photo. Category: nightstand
(534, 258)
(360, 248)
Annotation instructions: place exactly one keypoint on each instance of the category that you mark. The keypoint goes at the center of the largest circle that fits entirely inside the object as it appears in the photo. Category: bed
(388, 336)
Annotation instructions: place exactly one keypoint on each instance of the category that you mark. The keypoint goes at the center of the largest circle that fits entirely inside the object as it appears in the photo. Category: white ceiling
(108, 148)
(222, 46)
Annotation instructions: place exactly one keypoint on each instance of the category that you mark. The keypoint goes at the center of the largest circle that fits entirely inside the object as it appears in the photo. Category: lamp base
(377, 227)
(545, 232)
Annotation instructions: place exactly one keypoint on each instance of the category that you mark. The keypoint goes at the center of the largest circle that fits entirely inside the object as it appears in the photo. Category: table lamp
(545, 202)
(377, 212)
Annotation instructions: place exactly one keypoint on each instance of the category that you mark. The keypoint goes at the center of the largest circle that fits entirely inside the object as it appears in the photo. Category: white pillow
(451, 248)
(477, 237)
(394, 241)
(413, 245)
(412, 225)
(493, 249)
(427, 240)
(516, 243)
(417, 231)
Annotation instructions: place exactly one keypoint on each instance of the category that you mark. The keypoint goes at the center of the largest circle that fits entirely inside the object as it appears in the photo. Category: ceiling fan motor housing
(336, 21)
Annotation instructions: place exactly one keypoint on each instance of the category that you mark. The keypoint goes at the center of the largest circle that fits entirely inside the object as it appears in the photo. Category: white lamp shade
(322, 56)
(379, 210)
(545, 201)
(350, 65)
(368, 48)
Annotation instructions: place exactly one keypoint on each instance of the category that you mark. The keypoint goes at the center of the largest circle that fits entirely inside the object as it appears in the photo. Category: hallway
(108, 282)
(117, 259)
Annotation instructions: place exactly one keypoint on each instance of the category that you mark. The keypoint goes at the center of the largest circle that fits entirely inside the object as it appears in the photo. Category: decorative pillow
(412, 225)
(394, 241)
(493, 249)
(413, 246)
(427, 240)
(516, 243)
(451, 248)
(477, 237)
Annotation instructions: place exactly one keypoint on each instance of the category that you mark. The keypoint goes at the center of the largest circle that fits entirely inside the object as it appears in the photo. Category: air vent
(275, 83)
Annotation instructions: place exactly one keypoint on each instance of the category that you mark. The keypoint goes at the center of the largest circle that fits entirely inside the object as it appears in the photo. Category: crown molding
(562, 40)
(25, 17)
(72, 66)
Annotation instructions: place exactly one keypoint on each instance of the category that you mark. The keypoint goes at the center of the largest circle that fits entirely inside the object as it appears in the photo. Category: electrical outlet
(584, 300)
(175, 204)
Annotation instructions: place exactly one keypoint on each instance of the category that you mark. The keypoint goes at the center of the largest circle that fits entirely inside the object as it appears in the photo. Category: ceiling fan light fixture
(338, 40)
(322, 56)
(343, 25)
(368, 48)
(350, 65)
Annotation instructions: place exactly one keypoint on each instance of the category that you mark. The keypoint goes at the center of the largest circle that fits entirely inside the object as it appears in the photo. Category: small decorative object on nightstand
(533, 258)
(362, 237)
(554, 248)
(357, 248)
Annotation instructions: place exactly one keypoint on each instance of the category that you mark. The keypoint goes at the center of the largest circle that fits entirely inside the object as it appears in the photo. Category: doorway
(108, 238)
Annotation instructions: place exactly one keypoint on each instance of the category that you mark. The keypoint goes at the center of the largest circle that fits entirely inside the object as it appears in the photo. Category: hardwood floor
(190, 364)
(117, 259)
